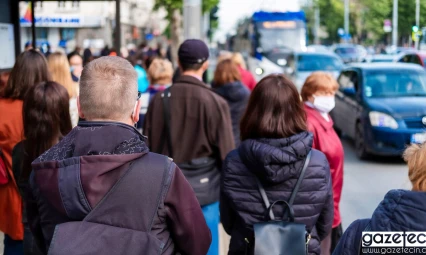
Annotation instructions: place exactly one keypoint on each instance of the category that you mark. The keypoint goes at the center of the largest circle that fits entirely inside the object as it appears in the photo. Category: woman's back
(277, 163)
(236, 95)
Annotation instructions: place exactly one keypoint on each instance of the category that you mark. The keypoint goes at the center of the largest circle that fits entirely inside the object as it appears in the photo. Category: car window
(318, 63)
(415, 60)
(405, 59)
(347, 80)
(394, 84)
(346, 50)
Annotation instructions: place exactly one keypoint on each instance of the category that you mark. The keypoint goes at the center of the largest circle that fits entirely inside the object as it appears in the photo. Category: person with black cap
(191, 124)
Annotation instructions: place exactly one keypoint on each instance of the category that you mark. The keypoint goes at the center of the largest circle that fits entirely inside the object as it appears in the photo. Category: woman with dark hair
(275, 144)
(46, 121)
(227, 83)
(30, 69)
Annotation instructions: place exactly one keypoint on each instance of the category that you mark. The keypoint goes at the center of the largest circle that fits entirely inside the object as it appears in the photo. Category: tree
(174, 15)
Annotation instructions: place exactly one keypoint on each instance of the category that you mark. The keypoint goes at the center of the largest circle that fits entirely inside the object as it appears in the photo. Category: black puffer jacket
(277, 163)
(237, 96)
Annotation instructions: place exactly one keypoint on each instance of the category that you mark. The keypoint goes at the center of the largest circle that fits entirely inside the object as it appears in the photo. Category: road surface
(365, 184)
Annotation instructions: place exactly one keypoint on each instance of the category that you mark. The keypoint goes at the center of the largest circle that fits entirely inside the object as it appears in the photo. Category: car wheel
(361, 152)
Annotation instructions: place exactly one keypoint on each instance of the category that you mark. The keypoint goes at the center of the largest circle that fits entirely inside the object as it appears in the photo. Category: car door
(352, 102)
(345, 100)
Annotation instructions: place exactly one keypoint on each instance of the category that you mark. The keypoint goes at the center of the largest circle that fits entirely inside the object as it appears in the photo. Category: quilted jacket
(277, 163)
(400, 210)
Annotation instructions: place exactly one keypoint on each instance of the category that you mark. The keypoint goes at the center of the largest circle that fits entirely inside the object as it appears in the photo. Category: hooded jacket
(277, 163)
(400, 210)
(237, 96)
(100, 152)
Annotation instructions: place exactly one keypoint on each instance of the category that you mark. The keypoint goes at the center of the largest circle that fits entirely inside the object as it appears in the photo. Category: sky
(231, 11)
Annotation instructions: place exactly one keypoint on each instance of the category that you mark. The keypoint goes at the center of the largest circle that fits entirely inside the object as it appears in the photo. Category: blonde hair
(318, 81)
(108, 89)
(238, 59)
(415, 156)
(60, 70)
(160, 72)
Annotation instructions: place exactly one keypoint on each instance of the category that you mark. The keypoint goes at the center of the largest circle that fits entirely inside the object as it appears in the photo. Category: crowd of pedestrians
(77, 175)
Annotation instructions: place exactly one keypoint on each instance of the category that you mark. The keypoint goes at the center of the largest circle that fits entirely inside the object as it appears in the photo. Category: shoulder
(232, 162)
(319, 165)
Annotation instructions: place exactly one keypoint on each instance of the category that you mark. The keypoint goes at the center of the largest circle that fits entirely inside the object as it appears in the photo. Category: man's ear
(136, 111)
(80, 113)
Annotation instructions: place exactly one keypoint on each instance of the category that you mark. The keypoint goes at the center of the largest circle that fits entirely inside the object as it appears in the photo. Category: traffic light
(415, 29)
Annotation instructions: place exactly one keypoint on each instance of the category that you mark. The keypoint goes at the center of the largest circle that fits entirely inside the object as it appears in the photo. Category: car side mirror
(349, 91)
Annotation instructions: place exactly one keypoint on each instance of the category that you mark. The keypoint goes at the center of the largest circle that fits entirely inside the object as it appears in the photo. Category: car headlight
(379, 119)
(259, 71)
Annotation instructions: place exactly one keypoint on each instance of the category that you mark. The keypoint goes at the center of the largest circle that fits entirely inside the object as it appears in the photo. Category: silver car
(305, 63)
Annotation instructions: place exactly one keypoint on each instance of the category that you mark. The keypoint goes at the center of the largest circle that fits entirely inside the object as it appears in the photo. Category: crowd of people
(134, 157)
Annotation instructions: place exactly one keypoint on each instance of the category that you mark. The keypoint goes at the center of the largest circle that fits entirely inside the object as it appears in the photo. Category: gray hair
(108, 89)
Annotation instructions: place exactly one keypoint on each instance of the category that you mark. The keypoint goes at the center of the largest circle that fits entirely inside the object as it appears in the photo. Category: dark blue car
(382, 107)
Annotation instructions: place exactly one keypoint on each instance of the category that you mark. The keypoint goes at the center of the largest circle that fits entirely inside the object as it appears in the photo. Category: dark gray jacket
(277, 163)
(237, 96)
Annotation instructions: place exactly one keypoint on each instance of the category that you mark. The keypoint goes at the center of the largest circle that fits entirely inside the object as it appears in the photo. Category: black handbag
(202, 173)
(279, 237)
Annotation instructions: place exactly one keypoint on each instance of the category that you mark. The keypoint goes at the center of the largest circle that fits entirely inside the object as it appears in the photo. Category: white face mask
(324, 103)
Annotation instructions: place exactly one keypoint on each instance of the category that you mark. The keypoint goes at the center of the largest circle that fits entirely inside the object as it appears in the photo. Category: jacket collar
(187, 79)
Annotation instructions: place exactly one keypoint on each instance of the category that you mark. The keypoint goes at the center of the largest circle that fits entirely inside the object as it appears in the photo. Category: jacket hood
(234, 91)
(75, 174)
(400, 210)
(276, 160)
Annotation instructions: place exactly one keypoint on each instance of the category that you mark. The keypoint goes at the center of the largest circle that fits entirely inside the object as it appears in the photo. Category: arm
(185, 218)
(33, 215)
(227, 215)
(325, 220)
(222, 136)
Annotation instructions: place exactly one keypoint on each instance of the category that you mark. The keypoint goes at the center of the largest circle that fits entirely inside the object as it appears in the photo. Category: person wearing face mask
(318, 94)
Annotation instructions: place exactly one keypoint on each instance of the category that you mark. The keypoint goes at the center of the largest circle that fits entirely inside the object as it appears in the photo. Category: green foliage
(366, 17)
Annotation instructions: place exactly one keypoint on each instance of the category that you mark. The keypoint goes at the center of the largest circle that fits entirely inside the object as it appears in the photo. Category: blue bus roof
(277, 16)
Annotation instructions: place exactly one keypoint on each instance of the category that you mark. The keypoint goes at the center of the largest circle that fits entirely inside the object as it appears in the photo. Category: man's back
(200, 122)
(91, 159)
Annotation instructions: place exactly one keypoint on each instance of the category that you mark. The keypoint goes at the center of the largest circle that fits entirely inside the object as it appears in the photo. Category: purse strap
(166, 112)
(295, 190)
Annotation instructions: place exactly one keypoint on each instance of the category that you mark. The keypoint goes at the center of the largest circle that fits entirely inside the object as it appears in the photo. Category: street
(365, 184)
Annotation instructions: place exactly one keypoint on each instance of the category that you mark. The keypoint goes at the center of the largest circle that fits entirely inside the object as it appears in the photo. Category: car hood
(399, 107)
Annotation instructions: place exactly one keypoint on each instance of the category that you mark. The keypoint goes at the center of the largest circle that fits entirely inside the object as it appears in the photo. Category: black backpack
(275, 237)
(121, 222)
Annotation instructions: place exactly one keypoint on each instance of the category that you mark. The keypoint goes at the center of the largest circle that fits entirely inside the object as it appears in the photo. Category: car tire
(361, 151)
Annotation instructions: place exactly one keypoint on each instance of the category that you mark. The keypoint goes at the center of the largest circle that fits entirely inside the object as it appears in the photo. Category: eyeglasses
(139, 95)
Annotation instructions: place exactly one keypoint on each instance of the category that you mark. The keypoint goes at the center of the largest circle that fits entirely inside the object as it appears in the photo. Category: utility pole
(346, 20)
(192, 19)
(317, 25)
(416, 43)
(395, 23)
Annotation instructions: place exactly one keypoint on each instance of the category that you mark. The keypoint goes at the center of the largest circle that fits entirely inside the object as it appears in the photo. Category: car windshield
(394, 84)
(271, 39)
(346, 50)
(318, 63)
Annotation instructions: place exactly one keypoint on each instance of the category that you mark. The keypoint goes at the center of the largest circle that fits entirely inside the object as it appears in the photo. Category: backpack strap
(293, 194)
(299, 181)
(134, 200)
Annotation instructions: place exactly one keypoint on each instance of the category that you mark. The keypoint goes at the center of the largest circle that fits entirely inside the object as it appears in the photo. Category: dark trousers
(13, 247)
(30, 245)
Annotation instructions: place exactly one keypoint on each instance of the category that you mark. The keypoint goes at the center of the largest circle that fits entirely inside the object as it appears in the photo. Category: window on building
(61, 4)
(75, 4)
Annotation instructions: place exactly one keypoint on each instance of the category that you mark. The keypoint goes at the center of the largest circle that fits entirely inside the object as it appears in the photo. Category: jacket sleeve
(227, 215)
(147, 123)
(221, 132)
(185, 218)
(325, 220)
(350, 242)
(33, 215)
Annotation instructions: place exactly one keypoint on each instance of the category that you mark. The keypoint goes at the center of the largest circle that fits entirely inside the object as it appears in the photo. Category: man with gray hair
(101, 191)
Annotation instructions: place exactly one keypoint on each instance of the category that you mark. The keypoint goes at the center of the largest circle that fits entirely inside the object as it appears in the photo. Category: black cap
(193, 51)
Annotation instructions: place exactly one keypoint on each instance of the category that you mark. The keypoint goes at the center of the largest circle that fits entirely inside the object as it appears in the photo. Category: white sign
(7, 44)
(63, 21)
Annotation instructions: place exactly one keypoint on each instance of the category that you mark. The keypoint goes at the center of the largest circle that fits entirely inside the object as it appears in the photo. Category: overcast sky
(231, 11)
